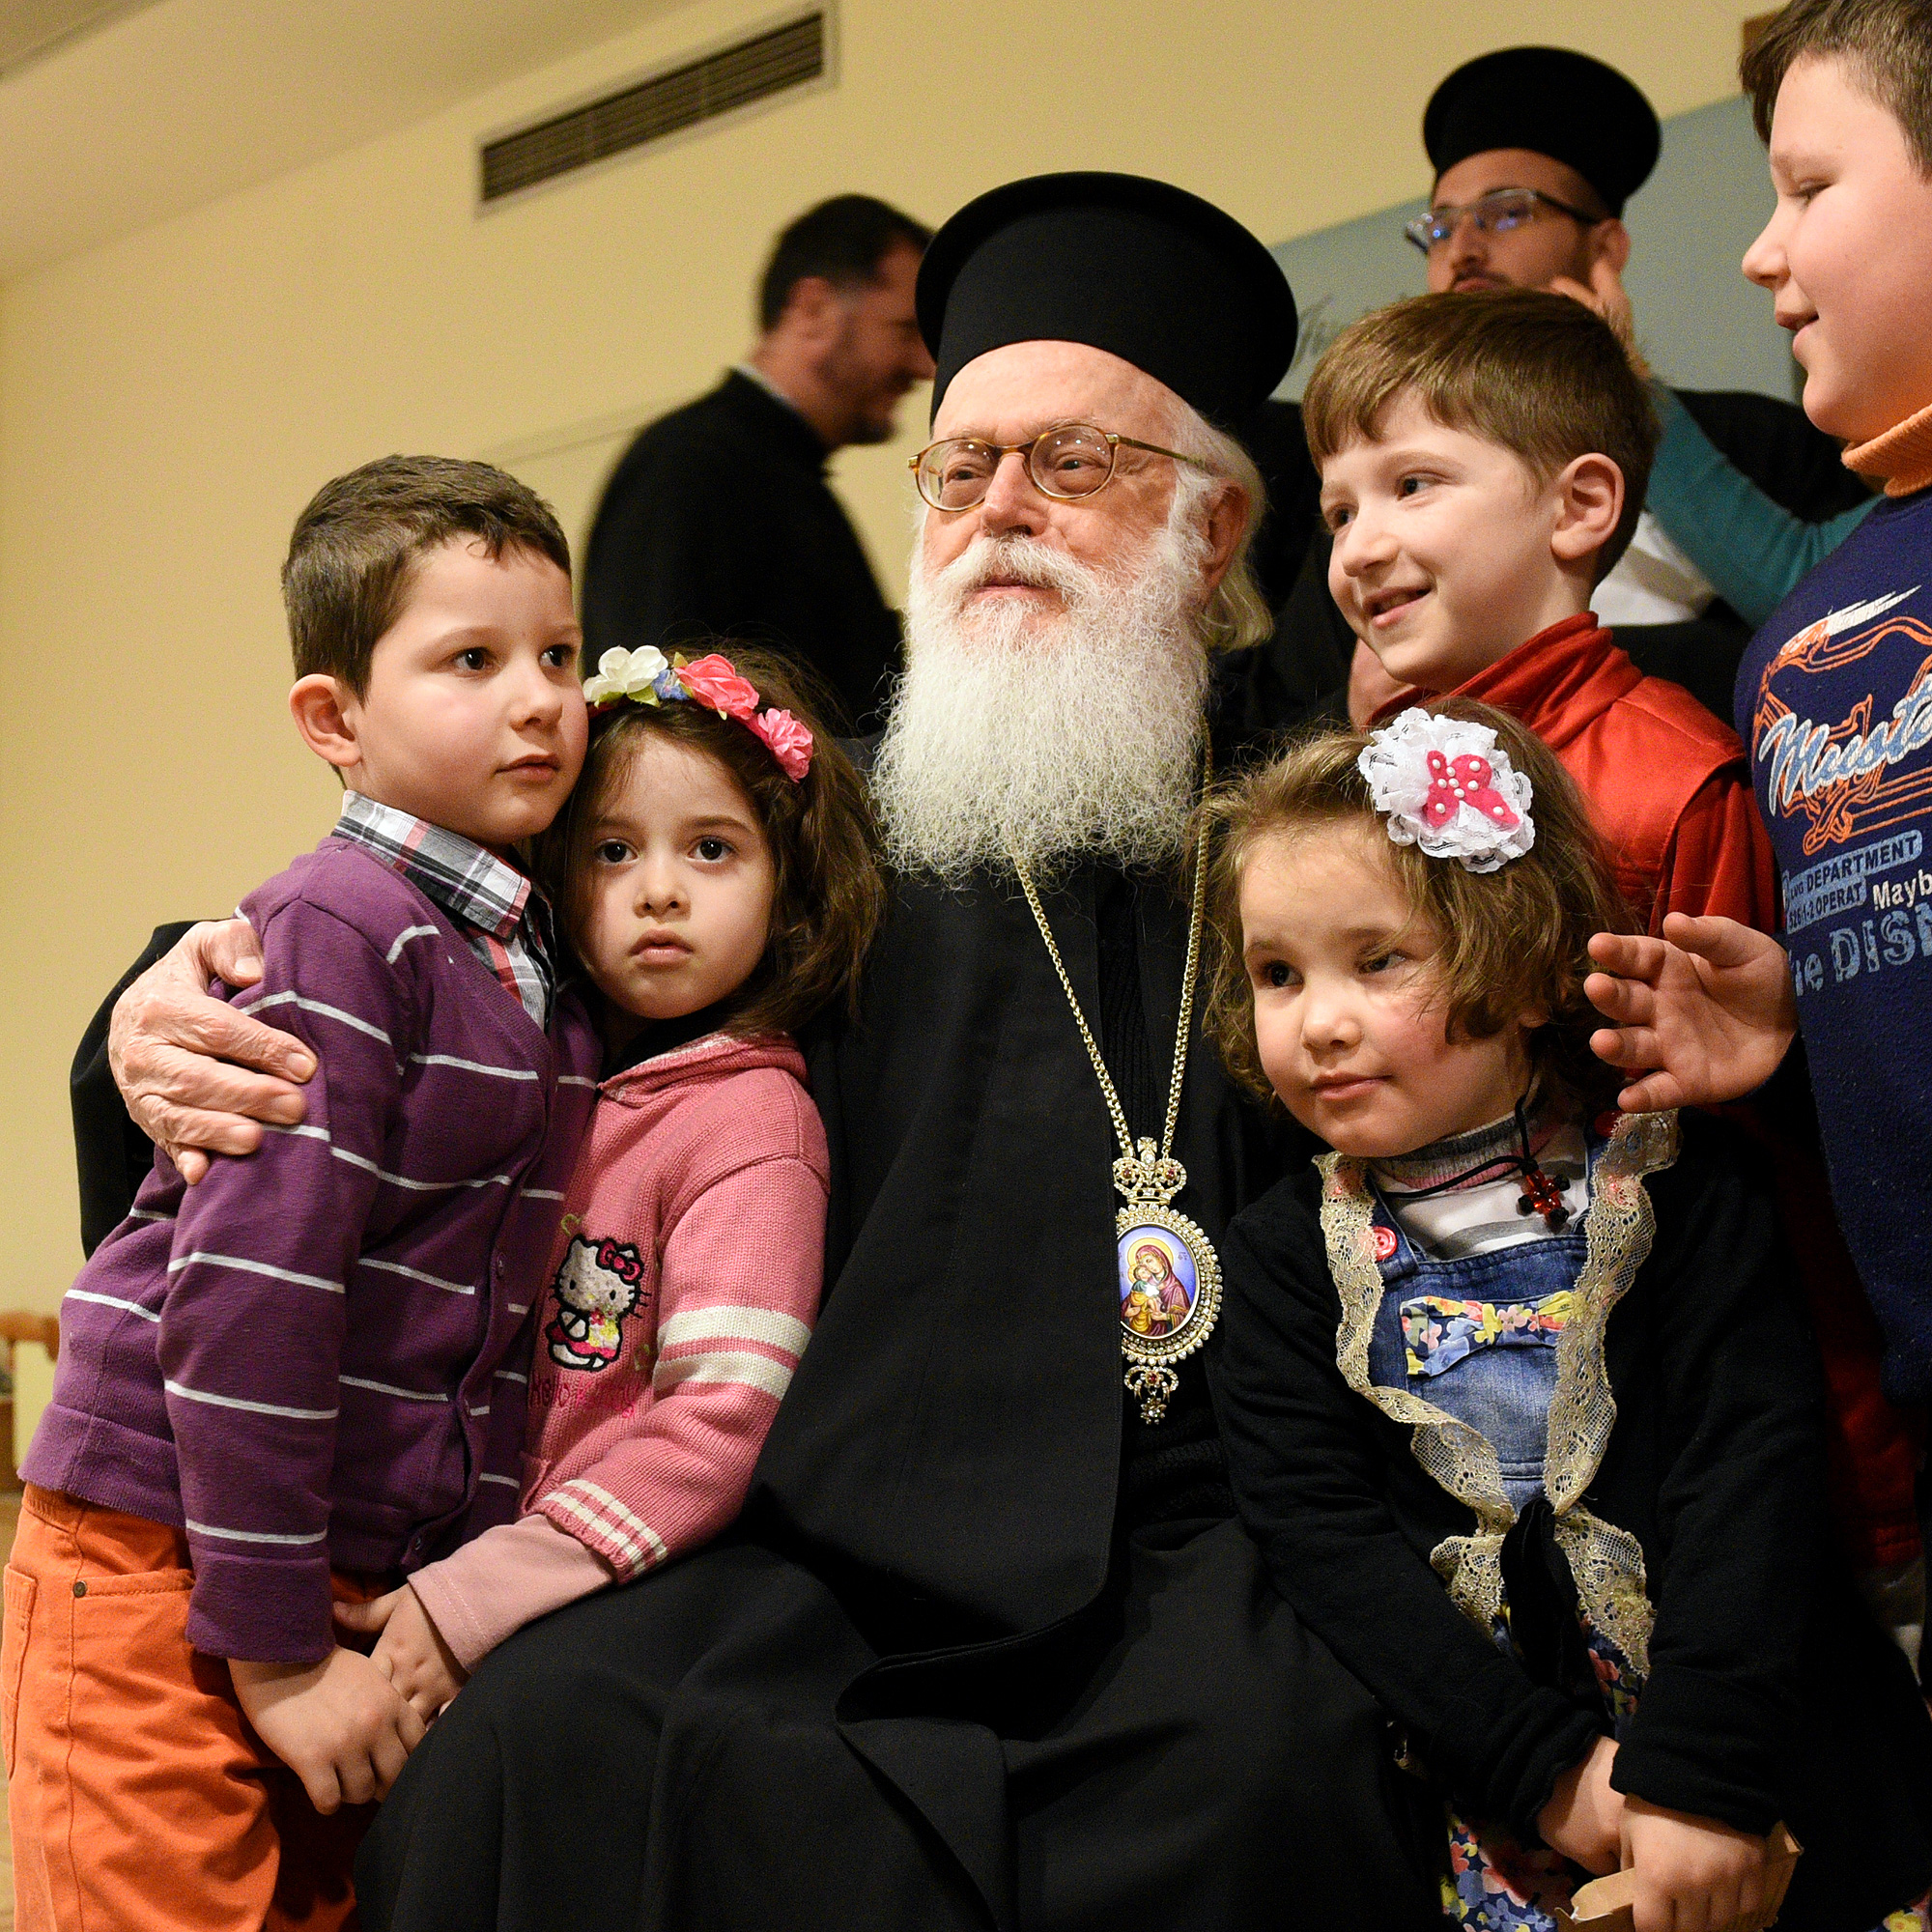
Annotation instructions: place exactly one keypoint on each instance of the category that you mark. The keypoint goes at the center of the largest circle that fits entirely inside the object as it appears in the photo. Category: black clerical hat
(1555, 103)
(1155, 275)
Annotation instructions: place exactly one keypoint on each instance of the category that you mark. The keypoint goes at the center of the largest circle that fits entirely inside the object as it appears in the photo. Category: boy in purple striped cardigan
(303, 1377)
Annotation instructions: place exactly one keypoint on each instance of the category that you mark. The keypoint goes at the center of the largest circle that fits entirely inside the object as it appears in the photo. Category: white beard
(1046, 736)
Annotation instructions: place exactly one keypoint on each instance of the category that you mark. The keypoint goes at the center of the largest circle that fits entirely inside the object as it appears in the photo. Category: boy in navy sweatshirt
(1834, 696)
(297, 1379)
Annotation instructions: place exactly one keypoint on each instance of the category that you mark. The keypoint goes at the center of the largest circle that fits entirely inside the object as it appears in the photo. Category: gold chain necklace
(1170, 1275)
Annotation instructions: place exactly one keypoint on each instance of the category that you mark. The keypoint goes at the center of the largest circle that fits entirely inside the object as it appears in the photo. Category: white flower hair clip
(1447, 787)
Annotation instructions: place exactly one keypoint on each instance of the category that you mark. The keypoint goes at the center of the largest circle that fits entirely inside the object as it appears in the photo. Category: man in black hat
(989, 1647)
(718, 521)
(1536, 150)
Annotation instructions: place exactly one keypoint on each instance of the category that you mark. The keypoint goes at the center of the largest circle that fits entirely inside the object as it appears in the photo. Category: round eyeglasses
(1066, 463)
(1494, 213)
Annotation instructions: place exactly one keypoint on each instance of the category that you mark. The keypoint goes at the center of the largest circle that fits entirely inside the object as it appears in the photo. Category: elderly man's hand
(1706, 1012)
(1610, 300)
(196, 1074)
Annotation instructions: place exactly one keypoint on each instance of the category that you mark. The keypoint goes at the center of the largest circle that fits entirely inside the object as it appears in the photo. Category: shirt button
(80, 1588)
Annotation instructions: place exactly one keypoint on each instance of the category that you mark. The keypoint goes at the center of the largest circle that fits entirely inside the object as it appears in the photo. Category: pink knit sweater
(683, 1287)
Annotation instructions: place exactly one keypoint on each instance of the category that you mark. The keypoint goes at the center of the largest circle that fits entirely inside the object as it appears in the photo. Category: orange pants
(139, 1795)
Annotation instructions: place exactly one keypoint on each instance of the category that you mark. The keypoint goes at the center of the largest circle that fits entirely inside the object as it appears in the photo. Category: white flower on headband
(625, 674)
(1447, 787)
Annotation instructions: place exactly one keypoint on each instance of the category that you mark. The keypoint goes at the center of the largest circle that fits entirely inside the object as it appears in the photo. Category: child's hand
(1584, 1817)
(340, 1725)
(410, 1652)
(1692, 1874)
(1708, 1009)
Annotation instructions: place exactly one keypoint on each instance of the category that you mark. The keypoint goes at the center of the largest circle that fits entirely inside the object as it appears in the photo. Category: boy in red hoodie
(1483, 459)
(1483, 466)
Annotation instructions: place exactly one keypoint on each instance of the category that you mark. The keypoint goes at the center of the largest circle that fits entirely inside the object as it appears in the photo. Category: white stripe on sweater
(474, 1066)
(508, 1482)
(408, 933)
(247, 1266)
(382, 1173)
(758, 1371)
(415, 1274)
(389, 1389)
(319, 1007)
(594, 1505)
(403, 1180)
(746, 1324)
(253, 1407)
(112, 1301)
(251, 1535)
(146, 1214)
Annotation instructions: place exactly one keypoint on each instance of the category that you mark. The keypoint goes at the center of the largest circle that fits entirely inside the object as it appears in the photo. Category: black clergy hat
(1148, 271)
(1551, 101)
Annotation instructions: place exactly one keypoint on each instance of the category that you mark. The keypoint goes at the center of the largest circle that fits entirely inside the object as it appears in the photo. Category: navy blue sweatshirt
(1835, 702)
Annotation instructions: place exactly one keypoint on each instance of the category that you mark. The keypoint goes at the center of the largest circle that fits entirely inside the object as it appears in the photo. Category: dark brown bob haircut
(1886, 44)
(829, 897)
(357, 545)
(1539, 373)
(1514, 941)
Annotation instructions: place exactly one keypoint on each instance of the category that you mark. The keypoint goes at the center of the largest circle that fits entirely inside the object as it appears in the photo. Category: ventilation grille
(666, 104)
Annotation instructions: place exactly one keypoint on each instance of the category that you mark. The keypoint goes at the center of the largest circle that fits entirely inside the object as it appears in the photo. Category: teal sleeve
(1754, 549)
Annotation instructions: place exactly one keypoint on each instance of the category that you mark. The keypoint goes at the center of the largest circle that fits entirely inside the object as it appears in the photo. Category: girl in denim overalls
(1517, 1397)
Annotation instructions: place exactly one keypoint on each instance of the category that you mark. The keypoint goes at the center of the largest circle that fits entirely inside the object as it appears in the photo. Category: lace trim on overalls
(1606, 1562)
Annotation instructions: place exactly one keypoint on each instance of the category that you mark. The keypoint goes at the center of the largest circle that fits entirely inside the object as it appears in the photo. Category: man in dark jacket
(719, 521)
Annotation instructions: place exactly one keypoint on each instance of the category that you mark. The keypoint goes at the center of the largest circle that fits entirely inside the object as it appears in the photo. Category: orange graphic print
(1845, 780)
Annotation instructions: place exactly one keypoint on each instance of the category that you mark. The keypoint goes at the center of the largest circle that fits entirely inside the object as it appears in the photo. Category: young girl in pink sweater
(715, 875)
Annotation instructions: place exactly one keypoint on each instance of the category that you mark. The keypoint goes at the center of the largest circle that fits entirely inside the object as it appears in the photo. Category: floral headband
(1447, 787)
(649, 677)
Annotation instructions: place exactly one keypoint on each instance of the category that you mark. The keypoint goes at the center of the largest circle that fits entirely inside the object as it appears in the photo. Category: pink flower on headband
(791, 742)
(1454, 782)
(1446, 786)
(712, 681)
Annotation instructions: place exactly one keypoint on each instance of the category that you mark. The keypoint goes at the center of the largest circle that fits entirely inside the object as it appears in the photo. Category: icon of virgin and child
(1156, 1299)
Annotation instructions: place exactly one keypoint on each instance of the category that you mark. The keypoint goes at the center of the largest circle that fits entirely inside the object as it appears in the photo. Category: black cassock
(718, 522)
(974, 1657)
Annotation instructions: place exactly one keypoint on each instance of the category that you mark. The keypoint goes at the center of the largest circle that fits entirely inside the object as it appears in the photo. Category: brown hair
(356, 547)
(1886, 44)
(1539, 373)
(829, 896)
(1513, 940)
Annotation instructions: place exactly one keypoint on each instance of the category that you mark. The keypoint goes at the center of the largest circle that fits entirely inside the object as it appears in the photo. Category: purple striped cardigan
(318, 1356)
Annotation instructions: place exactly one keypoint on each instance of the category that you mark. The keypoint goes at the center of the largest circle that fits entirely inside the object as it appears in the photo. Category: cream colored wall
(168, 402)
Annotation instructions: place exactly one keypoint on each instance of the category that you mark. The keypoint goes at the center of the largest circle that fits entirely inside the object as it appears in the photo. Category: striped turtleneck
(1480, 1214)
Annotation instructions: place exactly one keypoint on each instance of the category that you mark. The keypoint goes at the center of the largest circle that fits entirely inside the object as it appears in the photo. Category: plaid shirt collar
(488, 894)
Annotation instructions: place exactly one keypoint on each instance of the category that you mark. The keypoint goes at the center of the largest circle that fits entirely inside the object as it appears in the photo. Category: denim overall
(1496, 1376)
(1492, 1366)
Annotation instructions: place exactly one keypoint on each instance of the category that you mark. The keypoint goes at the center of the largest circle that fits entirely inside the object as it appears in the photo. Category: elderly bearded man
(988, 1647)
